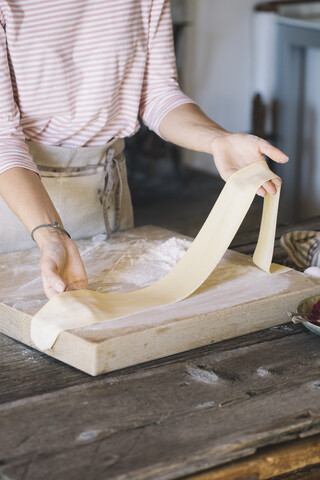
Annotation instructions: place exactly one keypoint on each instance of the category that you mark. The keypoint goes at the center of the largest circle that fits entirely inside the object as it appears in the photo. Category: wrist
(54, 225)
(218, 140)
(46, 235)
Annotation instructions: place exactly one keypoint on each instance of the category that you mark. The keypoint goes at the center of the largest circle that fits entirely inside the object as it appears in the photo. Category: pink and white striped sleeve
(161, 92)
(14, 151)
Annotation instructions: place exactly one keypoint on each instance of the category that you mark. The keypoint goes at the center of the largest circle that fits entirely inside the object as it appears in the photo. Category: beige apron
(88, 186)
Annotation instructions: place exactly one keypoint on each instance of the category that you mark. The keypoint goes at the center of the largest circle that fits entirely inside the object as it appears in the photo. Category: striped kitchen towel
(303, 248)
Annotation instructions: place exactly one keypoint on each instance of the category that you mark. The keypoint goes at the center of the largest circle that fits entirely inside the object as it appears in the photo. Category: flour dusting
(134, 260)
(237, 280)
(263, 372)
(143, 265)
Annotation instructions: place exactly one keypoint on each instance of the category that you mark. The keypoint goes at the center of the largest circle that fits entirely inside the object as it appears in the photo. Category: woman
(74, 77)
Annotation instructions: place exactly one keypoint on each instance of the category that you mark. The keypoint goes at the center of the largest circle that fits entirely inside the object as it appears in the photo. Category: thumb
(52, 282)
(272, 152)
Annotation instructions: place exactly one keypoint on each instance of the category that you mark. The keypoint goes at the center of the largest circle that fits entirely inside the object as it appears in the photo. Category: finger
(77, 278)
(50, 292)
(53, 286)
(51, 281)
(261, 192)
(272, 152)
(76, 273)
(77, 285)
(270, 188)
(276, 181)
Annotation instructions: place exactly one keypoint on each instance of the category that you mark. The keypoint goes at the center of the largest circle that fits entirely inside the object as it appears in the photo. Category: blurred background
(252, 67)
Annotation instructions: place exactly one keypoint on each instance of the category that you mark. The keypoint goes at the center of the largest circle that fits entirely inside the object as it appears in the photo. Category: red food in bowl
(315, 317)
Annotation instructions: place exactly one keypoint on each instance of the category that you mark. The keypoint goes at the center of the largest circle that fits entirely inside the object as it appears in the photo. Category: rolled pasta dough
(70, 310)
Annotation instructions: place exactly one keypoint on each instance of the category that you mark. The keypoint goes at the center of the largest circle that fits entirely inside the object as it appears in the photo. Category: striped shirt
(77, 73)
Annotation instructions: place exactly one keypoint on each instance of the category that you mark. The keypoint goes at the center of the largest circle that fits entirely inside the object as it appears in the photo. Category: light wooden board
(272, 462)
(238, 298)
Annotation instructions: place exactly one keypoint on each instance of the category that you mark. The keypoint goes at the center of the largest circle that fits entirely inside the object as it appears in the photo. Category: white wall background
(310, 171)
(217, 70)
(218, 73)
(222, 72)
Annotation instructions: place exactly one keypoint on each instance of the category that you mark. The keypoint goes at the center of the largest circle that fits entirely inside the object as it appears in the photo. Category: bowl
(306, 306)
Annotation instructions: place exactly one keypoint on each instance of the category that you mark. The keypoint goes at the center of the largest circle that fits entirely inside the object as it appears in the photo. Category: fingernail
(60, 286)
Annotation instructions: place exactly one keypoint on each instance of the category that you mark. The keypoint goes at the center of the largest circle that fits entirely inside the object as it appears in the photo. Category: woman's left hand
(232, 151)
(61, 266)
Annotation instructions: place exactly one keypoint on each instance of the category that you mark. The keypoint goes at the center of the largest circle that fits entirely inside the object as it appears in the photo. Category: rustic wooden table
(246, 408)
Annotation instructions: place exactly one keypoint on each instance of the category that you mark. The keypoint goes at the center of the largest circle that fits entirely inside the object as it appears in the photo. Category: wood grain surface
(293, 460)
(167, 419)
(162, 420)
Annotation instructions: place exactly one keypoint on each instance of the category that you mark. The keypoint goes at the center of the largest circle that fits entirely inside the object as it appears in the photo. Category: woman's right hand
(61, 266)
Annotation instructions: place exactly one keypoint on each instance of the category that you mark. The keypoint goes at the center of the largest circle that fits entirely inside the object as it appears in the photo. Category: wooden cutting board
(238, 298)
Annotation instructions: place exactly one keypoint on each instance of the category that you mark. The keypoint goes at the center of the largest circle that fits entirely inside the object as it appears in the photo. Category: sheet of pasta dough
(70, 310)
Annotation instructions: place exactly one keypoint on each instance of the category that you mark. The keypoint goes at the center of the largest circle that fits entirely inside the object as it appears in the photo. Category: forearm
(26, 196)
(61, 265)
(188, 127)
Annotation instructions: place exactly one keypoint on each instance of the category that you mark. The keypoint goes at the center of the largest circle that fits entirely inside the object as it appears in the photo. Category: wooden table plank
(273, 461)
(163, 423)
(251, 237)
(25, 372)
(246, 242)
